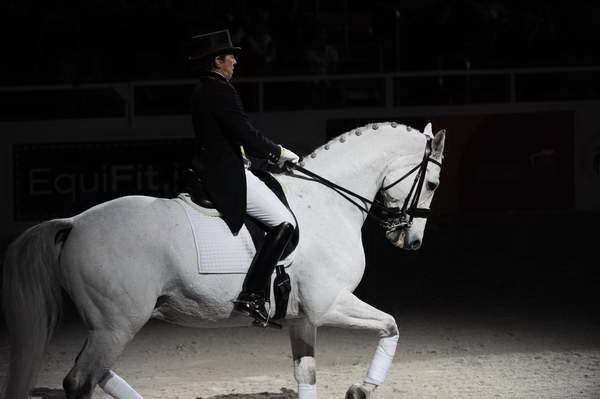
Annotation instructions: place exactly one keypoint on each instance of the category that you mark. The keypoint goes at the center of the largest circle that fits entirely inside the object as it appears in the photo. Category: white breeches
(263, 205)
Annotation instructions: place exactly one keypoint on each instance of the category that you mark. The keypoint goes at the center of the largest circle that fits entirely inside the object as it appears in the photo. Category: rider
(224, 135)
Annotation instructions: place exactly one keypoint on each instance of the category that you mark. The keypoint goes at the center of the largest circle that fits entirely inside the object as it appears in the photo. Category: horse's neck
(358, 163)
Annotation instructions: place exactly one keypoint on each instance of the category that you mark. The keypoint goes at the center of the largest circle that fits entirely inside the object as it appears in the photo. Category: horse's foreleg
(303, 337)
(349, 311)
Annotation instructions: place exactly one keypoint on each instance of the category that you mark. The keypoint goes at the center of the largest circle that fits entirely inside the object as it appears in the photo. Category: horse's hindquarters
(119, 257)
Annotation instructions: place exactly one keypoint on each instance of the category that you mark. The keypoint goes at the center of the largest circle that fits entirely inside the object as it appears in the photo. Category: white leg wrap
(117, 387)
(382, 360)
(307, 391)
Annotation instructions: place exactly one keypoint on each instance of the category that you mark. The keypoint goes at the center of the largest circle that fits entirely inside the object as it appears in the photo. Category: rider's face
(226, 65)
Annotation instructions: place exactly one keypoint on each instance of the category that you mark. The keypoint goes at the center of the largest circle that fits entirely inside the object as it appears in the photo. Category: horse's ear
(427, 131)
(437, 145)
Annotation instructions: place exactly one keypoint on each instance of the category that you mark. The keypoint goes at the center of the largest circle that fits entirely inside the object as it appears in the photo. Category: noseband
(393, 218)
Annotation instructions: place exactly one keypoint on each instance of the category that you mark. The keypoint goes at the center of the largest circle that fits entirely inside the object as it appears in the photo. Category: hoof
(357, 391)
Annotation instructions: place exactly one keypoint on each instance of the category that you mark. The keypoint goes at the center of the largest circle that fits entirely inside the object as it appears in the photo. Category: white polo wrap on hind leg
(307, 391)
(382, 360)
(117, 387)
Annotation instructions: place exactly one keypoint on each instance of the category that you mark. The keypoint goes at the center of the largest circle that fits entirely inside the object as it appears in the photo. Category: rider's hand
(287, 156)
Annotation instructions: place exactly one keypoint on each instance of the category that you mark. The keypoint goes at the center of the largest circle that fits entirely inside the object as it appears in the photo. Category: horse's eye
(431, 185)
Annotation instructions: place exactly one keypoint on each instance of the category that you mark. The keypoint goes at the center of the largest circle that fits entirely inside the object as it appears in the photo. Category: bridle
(403, 218)
(392, 218)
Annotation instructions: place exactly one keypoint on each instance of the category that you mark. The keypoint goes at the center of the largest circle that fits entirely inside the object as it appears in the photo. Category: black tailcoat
(221, 127)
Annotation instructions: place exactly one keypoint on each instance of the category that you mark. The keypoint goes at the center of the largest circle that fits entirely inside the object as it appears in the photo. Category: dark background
(93, 40)
(516, 242)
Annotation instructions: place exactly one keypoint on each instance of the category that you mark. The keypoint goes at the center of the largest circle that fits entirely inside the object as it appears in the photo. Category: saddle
(281, 284)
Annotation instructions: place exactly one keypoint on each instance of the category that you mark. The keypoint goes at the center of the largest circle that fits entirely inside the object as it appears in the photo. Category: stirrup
(252, 307)
(265, 324)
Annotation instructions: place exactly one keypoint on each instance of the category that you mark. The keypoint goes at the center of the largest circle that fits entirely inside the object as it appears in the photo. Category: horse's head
(408, 187)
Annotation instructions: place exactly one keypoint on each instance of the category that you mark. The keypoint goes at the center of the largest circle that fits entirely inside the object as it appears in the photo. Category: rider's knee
(286, 228)
(290, 219)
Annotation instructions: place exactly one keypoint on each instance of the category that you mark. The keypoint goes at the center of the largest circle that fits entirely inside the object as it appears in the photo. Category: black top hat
(214, 43)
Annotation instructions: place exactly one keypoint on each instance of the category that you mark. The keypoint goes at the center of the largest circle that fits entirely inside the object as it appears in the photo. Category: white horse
(133, 258)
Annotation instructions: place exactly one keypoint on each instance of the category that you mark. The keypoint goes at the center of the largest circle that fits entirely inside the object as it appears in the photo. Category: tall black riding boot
(251, 300)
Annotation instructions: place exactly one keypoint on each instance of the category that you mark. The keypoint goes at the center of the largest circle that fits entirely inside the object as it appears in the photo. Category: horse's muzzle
(396, 237)
(400, 238)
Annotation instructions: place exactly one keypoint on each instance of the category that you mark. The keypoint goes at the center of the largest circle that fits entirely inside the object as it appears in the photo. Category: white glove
(287, 156)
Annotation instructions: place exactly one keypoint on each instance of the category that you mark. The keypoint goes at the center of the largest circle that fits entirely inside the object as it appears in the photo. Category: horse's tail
(31, 295)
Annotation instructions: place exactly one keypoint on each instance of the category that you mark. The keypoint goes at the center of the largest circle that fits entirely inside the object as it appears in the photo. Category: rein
(394, 217)
(344, 192)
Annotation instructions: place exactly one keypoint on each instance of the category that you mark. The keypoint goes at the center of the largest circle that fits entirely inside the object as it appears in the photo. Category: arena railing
(306, 92)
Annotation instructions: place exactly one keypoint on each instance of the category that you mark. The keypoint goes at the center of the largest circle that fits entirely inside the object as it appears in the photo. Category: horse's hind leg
(303, 337)
(349, 311)
(117, 387)
(92, 366)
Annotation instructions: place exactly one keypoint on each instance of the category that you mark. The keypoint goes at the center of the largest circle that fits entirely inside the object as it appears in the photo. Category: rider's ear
(437, 145)
(218, 60)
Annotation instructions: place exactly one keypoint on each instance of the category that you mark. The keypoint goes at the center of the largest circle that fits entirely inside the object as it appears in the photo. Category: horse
(127, 260)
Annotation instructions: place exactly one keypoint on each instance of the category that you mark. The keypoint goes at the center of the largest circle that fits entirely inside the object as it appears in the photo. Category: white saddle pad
(218, 251)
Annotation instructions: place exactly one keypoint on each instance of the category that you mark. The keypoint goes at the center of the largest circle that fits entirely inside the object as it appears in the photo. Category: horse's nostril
(416, 244)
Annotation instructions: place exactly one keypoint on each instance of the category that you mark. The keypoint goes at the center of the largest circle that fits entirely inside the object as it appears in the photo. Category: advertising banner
(61, 180)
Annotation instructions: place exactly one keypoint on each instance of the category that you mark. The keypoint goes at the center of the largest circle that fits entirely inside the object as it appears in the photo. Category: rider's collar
(217, 75)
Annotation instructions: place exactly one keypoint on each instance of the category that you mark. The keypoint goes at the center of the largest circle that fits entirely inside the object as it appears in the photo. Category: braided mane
(366, 129)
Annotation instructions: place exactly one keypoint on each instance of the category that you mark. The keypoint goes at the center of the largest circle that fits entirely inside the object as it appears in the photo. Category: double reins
(344, 192)
(394, 217)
